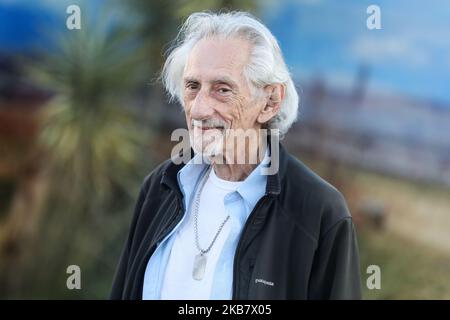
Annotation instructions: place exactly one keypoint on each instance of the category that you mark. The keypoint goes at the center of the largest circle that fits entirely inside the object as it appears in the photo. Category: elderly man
(227, 229)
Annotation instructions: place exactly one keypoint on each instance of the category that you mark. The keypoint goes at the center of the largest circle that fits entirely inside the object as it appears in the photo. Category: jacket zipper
(162, 234)
(180, 210)
(170, 224)
(238, 248)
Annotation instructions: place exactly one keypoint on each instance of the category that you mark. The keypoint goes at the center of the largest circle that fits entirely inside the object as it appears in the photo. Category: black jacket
(299, 242)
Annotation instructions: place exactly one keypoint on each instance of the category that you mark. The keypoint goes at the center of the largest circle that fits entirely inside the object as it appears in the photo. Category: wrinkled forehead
(217, 57)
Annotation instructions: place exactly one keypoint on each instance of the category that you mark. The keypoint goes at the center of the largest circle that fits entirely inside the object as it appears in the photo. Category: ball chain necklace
(200, 260)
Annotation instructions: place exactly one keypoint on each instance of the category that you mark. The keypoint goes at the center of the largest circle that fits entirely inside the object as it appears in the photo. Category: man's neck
(234, 171)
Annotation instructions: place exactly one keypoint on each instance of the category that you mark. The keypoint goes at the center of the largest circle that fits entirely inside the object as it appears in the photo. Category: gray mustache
(209, 123)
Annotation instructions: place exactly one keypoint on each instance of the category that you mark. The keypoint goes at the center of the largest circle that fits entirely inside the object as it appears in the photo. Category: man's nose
(202, 106)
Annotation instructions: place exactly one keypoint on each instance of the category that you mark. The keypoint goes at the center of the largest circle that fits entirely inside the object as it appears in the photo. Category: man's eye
(192, 86)
(224, 90)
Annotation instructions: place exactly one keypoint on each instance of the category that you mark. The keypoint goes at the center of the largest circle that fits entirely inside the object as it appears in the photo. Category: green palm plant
(94, 136)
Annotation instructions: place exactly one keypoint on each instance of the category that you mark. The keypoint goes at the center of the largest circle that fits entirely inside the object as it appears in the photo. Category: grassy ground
(408, 270)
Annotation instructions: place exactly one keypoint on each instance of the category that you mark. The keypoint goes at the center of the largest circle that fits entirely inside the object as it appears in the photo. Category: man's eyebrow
(223, 79)
(190, 79)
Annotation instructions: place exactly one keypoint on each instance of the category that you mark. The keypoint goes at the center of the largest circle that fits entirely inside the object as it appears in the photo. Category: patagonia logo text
(267, 283)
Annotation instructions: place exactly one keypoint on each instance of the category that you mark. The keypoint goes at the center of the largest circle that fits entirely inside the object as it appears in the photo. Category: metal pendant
(199, 267)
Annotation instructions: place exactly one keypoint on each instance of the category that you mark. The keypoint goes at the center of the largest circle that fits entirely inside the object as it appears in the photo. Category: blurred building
(392, 134)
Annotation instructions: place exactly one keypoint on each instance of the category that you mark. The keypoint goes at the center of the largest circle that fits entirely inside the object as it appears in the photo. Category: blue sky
(409, 55)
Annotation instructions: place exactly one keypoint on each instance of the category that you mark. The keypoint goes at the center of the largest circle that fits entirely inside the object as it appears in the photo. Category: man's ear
(274, 94)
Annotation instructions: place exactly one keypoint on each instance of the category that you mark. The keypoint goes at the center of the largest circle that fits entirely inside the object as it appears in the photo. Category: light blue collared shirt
(239, 204)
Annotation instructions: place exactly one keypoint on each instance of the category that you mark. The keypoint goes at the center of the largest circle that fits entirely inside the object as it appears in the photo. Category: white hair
(266, 64)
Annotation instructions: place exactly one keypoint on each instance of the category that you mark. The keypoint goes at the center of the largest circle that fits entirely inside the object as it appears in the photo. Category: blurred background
(83, 119)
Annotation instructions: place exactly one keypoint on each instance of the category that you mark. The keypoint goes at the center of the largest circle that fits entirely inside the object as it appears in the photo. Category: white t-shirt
(178, 282)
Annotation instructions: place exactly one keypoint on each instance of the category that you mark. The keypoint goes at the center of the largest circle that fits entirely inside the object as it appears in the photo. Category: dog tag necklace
(200, 260)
